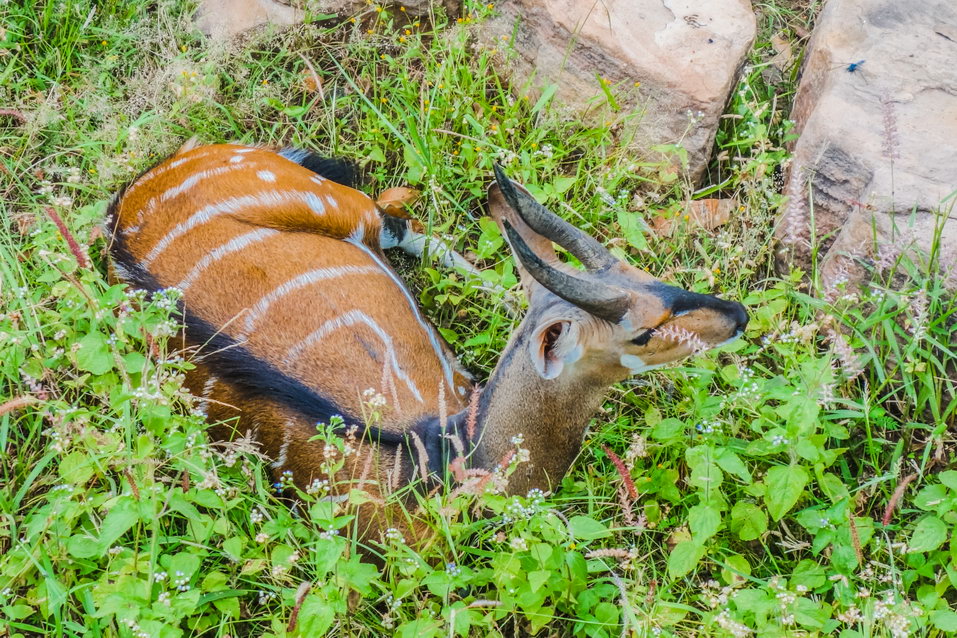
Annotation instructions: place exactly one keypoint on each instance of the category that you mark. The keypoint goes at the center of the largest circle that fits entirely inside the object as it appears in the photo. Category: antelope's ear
(553, 344)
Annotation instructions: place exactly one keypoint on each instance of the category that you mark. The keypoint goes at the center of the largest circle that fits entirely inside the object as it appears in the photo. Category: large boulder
(684, 54)
(876, 152)
(226, 19)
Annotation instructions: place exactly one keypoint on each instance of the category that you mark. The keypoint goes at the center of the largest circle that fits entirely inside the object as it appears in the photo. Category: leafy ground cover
(799, 482)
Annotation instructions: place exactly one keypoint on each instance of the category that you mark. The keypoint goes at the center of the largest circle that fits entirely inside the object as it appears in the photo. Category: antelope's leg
(398, 233)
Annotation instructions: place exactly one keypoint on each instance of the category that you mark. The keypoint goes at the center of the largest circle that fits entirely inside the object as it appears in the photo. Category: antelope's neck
(548, 417)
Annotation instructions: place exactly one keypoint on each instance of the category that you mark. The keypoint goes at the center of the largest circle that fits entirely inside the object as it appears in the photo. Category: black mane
(339, 170)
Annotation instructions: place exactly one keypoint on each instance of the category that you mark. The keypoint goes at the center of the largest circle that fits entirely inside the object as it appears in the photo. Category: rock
(225, 19)
(685, 55)
(876, 117)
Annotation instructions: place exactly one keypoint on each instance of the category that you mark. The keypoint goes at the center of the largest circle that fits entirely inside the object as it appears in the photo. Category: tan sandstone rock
(876, 115)
(685, 54)
(226, 19)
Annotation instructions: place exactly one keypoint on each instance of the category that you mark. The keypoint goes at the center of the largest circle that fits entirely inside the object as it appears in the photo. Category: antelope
(295, 313)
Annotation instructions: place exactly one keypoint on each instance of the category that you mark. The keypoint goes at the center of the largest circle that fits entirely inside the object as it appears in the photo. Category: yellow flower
(637, 84)
(490, 5)
(408, 32)
(402, 9)
(401, 38)
(382, 99)
(369, 31)
(103, 43)
(181, 48)
(352, 20)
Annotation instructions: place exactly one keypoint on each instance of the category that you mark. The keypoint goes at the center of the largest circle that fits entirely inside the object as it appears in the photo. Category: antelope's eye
(644, 337)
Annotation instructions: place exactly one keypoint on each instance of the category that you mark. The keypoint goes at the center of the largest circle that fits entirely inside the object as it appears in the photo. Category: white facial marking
(266, 176)
(305, 279)
(234, 245)
(352, 318)
(573, 355)
(634, 364)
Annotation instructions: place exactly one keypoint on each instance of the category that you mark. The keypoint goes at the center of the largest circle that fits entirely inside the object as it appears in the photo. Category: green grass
(764, 473)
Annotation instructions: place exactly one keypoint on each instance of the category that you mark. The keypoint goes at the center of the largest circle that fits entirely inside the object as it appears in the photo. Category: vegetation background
(796, 483)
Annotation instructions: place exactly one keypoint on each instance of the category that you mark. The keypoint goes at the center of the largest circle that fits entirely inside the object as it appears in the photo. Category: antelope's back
(285, 264)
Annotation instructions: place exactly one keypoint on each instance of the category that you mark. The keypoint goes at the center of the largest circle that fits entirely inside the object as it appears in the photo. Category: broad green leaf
(732, 464)
(538, 578)
(562, 184)
(120, 519)
(944, 619)
(704, 521)
(633, 227)
(94, 354)
(76, 468)
(83, 546)
(785, 485)
(414, 168)
(736, 570)
(930, 533)
(832, 486)
(668, 431)
(585, 528)
(233, 547)
(684, 557)
(949, 478)
(375, 154)
(809, 574)
(931, 497)
(748, 521)
(186, 563)
(706, 477)
(315, 616)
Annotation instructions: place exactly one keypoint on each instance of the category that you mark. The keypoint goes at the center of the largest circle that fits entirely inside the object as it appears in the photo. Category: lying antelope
(296, 312)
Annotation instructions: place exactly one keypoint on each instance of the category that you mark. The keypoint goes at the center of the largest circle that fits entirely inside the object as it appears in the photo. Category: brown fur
(551, 379)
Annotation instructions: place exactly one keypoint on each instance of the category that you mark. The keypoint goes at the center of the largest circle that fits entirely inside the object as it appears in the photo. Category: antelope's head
(610, 321)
